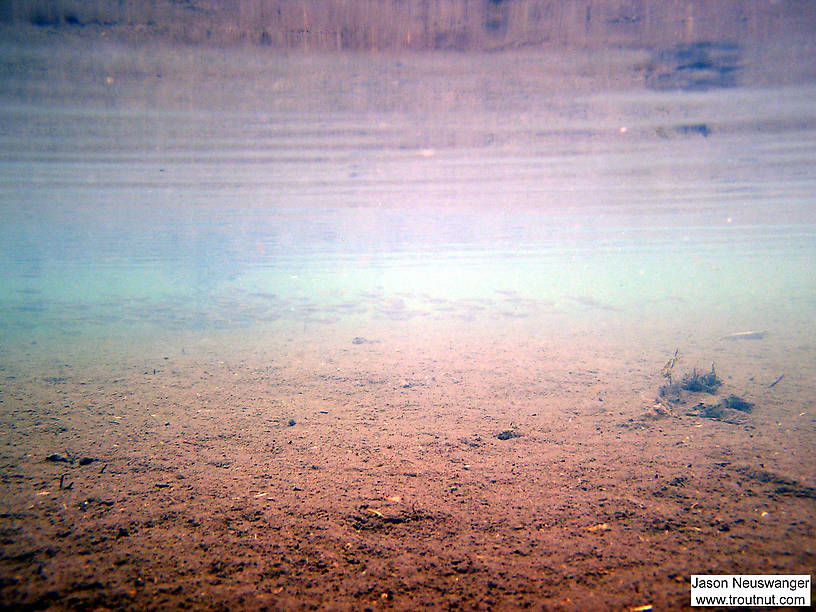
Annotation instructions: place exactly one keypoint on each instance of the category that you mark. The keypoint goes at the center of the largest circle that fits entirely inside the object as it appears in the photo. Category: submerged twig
(667, 369)
(62, 482)
(776, 382)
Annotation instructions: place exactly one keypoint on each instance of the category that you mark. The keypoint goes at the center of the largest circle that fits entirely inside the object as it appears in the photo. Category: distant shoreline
(457, 25)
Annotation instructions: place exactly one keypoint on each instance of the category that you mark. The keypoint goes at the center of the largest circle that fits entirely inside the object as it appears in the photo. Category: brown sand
(310, 471)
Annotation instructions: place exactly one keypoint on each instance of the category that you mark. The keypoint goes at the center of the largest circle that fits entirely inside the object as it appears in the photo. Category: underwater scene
(403, 329)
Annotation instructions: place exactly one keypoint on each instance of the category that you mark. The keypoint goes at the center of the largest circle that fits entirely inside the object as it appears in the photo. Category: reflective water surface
(151, 190)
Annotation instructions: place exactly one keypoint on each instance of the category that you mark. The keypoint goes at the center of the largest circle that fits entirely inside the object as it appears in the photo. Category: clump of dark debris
(734, 402)
(693, 382)
(507, 434)
(705, 383)
(724, 409)
(373, 519)
(696, 393)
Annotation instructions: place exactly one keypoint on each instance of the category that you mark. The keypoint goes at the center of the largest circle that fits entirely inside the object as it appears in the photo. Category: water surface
(153, 190)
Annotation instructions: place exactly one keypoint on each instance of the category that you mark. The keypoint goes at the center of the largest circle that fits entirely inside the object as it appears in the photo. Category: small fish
(746, 335)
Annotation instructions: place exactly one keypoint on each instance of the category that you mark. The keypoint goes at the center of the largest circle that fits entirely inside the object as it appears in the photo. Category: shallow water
(164, 190)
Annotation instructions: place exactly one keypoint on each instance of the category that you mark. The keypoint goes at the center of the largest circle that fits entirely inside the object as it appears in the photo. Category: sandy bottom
(323, 471)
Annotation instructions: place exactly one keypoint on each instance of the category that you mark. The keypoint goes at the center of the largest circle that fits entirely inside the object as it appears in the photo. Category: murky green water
(155, 191)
